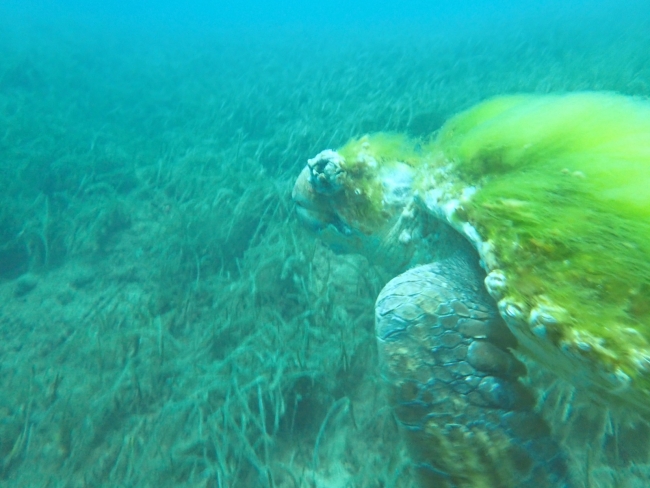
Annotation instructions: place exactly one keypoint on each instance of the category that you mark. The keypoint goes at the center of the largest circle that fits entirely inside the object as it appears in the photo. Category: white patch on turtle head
(397, 184)
(326, 172)
(365, 159)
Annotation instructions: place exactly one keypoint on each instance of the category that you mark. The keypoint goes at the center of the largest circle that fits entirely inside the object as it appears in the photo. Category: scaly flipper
(455, 384)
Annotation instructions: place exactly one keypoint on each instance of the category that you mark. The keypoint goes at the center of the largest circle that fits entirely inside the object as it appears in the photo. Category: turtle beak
(313, 209)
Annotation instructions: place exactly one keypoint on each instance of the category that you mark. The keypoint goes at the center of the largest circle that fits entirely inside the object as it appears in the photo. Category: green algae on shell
(554, 193)
(564, 199)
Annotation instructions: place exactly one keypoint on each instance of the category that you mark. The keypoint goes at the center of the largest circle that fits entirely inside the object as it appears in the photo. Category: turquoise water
(164, 319)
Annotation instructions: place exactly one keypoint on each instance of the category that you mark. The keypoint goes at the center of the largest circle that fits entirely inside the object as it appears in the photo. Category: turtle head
(359, 199)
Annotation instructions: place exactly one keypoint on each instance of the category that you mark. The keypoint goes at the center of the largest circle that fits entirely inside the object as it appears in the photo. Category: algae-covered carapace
(563, 196)
(548, 195)
(553, 193)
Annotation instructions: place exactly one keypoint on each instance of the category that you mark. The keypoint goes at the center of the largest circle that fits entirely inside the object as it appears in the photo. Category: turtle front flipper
(470, 421)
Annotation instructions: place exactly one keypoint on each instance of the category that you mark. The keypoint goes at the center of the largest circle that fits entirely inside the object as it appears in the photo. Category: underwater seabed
(139, 364)
(265, 375)
(259, 375)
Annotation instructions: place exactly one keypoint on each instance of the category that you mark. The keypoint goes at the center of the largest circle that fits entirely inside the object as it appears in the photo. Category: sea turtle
(520, 231)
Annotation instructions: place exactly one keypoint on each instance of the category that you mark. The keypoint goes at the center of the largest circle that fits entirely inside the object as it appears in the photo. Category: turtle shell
(553, 191)
(559, 211)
